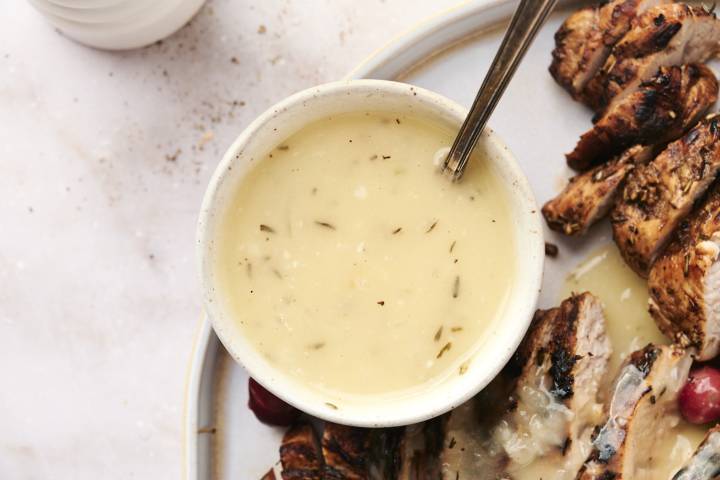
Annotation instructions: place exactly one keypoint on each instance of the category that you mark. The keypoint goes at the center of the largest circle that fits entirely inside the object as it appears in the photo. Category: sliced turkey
(659, 111)
(665, 35)
(705, 462)
(659, 195)
(584, 41)
(555, 401)
(590, 195)
(685, 282)
(642, 408)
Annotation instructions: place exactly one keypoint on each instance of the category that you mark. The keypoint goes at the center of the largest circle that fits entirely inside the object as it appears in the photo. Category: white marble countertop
(104, 159)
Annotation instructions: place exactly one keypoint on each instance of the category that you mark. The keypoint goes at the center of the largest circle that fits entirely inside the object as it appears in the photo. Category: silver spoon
(525, 23)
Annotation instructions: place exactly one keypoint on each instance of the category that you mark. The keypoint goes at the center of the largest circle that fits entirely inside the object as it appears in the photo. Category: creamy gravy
(630, 327)
(351, 264)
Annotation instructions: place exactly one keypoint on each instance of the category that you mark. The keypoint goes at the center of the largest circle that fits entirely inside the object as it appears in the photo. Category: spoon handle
(525, 23)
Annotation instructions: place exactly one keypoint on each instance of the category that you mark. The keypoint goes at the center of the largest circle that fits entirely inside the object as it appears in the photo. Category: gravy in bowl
(349, 263)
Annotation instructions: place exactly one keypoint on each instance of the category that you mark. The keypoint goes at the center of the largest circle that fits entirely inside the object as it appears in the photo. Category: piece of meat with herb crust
(585, 39)
(590, 195)
(569, 67)
(300, 454)
(642, 408)
(705, 462)
(661, 109)
(665, 35)
(685, 281)
(353, 453)
(555, 404)
(659, 195)
(345, 450)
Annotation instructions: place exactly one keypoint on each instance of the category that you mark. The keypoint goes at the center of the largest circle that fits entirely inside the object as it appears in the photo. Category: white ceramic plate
(539, 122)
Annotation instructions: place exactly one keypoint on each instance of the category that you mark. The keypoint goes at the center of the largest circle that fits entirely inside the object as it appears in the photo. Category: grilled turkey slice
(300, 454)
(583, 42)
(705, 462)
(642, 408)
(665, 35)
(345, 450)
(589, 196)
(419, 450)
(685, 282)
(659, 111)
(659, 195)
(384, 458)
(352, 453)
(555, 404)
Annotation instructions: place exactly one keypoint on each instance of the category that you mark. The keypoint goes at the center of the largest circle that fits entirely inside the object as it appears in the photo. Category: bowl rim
(528, 277)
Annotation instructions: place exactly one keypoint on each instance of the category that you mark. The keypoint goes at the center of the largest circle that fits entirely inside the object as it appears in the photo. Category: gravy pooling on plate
(351, 264)
(629, 326)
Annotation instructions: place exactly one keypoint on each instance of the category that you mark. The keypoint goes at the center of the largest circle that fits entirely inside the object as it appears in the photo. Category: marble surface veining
(104, 158)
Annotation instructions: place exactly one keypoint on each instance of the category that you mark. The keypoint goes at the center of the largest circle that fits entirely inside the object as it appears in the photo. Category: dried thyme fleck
(456, 287)
(385, 157)
(456, 329)
(248, 269)
(381, 303)
(432, 227)
(266, 228)
(397, 230)
(397, 120)
(444, 349)
(452, 246)
(283, 147)
(464, 368)
(325, 224)
(277, 273)
(438, 334)
(331, 405)
(317, 345)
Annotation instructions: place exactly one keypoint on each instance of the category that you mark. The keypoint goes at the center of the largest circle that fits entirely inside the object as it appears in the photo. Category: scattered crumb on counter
(173, 157)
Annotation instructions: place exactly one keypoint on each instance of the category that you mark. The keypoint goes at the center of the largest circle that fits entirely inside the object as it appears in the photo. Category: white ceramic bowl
(117, 13)
(118, 25)
(286, 118)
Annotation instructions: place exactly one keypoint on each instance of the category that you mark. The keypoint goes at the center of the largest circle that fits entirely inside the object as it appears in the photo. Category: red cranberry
(268, 408)
(700, 397)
